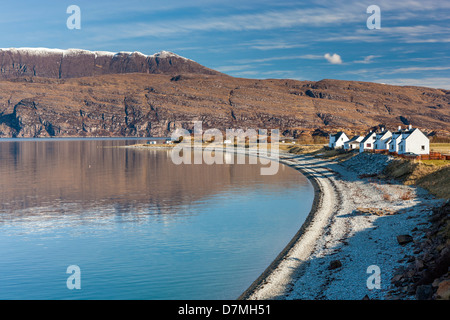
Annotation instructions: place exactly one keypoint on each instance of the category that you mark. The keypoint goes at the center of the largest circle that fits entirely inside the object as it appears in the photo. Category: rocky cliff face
(73, 63)
(59, 93)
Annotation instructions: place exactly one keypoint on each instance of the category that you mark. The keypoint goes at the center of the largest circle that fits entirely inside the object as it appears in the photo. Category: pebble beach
(358, 224)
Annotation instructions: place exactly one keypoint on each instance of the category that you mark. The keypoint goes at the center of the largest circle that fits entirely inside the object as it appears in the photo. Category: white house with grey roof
(407, 141)
(413, 141)
(353, 143)
(368, 142)
(382, 140)
(337, 140)
(395, 140)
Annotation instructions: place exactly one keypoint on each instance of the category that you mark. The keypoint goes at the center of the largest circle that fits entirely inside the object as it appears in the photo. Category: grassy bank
(432, 175)
(319, 150)
(301, 148)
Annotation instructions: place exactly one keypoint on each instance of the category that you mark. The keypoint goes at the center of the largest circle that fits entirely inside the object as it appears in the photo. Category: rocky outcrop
(427, 276)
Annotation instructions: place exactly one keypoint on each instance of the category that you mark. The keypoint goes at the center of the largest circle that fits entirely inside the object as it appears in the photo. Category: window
(368, 145)
(423, 147)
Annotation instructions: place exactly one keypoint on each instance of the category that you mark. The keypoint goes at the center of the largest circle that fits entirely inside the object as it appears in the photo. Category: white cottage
(395, 140)
(337, 140)
(382, 140)
(414, 141)
(368, 142)
(353, 143)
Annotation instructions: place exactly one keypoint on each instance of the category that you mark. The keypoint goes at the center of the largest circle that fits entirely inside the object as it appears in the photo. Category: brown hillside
(140, 104)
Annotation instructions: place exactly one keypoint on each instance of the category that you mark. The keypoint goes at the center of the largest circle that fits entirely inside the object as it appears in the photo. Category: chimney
(399, 128)
(410, 127)
(382, 129)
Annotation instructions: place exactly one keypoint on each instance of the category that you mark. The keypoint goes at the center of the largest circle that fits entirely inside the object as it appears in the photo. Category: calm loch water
(137, 225)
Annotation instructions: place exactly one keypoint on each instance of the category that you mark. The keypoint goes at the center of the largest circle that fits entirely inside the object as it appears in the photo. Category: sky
(302, 40)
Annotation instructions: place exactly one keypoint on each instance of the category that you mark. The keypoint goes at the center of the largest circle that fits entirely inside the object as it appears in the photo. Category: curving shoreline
(314, 223)
(273, 281)
(352, 226)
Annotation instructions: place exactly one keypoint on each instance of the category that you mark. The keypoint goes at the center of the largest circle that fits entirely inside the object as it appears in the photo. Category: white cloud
(279, 58)
(437, 82)
(401, 34)
(260, 21)
(233, 68)
(368, 59)
(271, 45)
(272, 74)
(419, 69)
(333, 59)
(418, 33)
(393, 71)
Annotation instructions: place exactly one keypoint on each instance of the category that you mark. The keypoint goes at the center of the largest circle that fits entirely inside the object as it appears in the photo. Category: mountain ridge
(132, 99)
(75, 63)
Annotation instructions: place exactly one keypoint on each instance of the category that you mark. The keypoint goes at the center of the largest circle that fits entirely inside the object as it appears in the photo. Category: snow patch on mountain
(70, 52)
(167, 54)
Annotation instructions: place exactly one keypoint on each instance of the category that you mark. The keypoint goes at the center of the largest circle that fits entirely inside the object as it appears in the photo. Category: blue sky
(254, 38)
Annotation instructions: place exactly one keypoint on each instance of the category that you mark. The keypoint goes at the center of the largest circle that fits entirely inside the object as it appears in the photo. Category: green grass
(436, 162)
